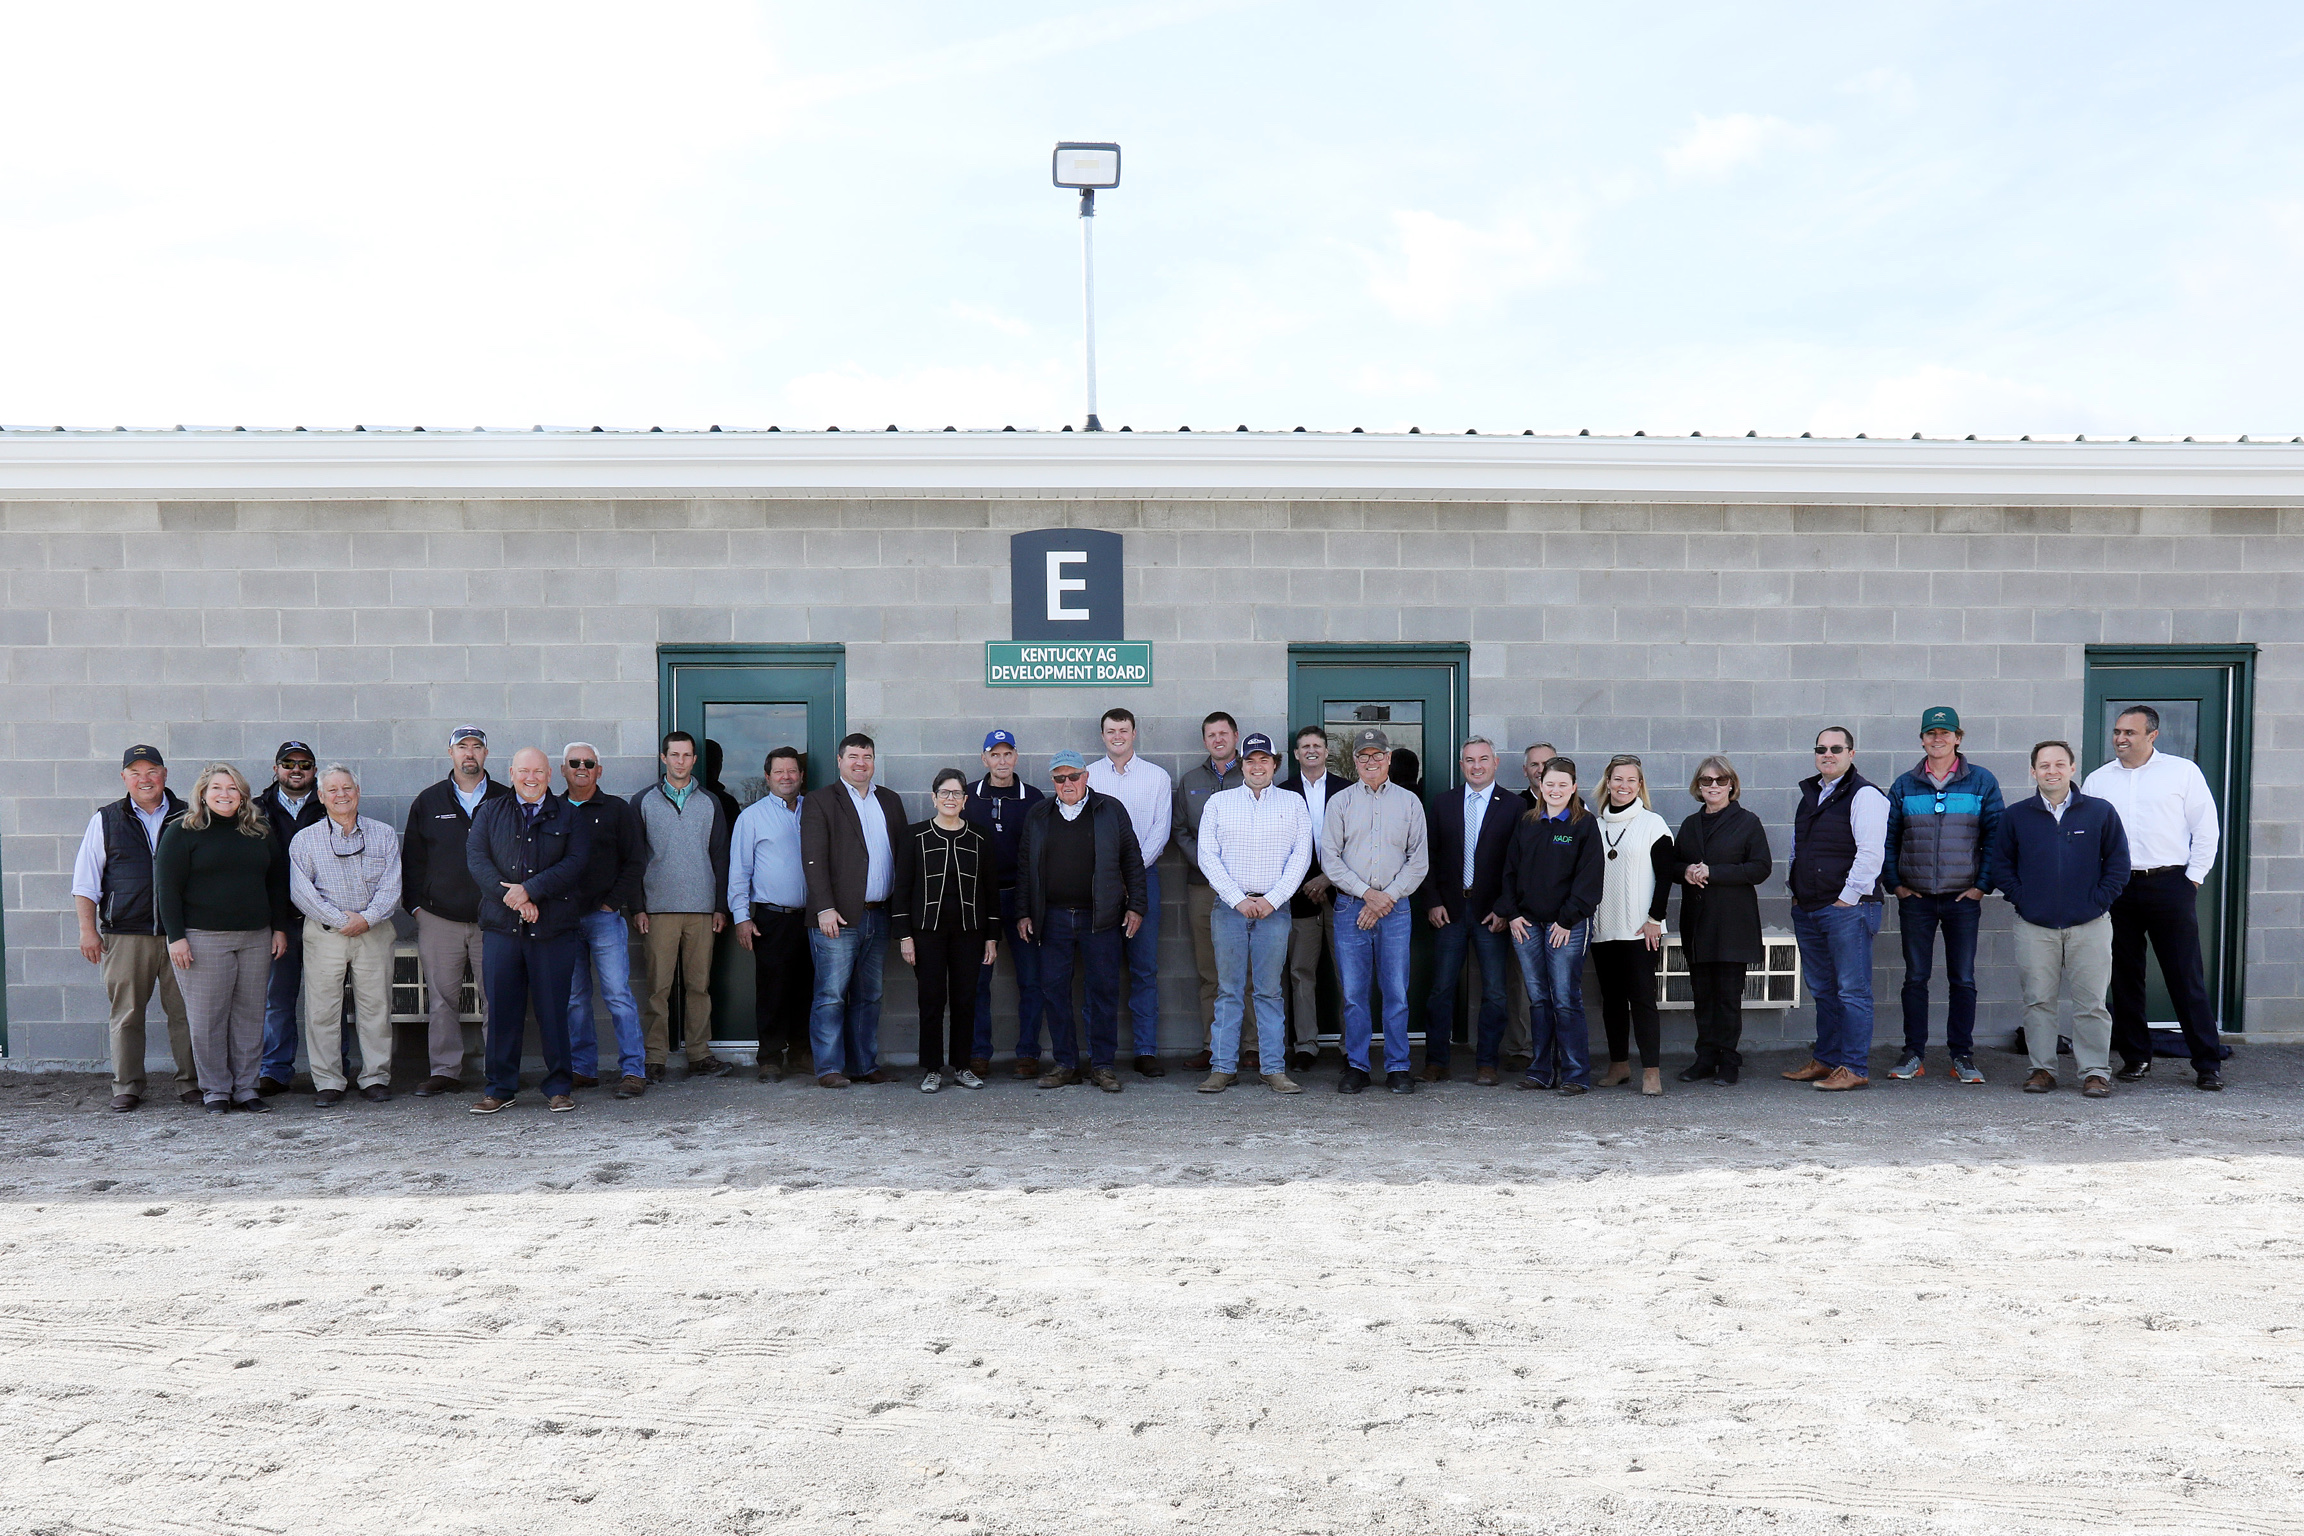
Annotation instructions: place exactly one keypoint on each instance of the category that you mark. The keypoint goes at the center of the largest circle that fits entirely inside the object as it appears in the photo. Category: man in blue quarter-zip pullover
(1942, 815)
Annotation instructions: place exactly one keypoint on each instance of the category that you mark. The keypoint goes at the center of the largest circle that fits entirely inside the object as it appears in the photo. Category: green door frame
(2103, 668)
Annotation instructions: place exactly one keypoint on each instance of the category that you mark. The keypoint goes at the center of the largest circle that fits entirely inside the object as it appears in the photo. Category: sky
(1942, 218)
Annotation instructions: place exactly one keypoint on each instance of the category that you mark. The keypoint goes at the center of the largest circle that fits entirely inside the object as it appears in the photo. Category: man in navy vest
(1839, 838)
(120, 923)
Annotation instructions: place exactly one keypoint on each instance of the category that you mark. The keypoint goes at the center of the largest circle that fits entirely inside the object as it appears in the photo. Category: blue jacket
(2060, 874)
(551, 857)
(1940, 841)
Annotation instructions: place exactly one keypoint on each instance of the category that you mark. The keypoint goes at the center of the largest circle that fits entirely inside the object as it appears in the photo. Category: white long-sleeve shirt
(2166, 810)
(1868, 824)
(88, 863)
(1255, 843)
(1147, 791)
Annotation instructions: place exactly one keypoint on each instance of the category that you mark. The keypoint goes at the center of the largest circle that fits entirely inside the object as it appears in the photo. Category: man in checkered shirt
(1255, 845)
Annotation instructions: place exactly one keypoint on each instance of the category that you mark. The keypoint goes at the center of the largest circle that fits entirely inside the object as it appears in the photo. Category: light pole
(1088, 168)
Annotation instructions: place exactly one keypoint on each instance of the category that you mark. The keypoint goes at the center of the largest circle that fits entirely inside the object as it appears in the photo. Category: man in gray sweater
(684, 903)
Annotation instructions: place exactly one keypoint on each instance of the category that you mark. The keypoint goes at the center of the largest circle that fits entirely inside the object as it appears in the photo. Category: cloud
(1718, 145)
(1885, 87)
(1444, 266)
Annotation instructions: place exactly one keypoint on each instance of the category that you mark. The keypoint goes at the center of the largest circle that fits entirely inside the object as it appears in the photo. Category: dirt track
(736, 1307)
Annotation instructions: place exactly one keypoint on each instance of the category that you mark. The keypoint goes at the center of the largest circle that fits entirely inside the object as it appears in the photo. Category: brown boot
(1809, 1073)
(1618, 1072)
(1651, 1081)
(1842, 1081)
(1484, 1078)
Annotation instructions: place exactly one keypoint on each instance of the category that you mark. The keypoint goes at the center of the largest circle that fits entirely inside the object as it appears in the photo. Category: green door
(2202, 696)
(739, 702)
(1415, 694)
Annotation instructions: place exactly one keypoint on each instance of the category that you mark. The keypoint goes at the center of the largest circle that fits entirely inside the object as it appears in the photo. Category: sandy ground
(732, 1307)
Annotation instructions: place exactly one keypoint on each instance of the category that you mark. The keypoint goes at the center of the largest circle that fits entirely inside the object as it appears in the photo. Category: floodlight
(1087, 167)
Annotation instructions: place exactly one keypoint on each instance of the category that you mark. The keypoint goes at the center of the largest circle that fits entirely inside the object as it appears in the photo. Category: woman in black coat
(1722, 858)
(945, 907)
(1553, 878)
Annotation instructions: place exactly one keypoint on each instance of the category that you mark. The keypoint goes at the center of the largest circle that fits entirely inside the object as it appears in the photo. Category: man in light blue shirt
(768, 893)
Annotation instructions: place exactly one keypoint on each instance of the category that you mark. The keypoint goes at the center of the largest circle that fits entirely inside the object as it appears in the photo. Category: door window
(738, 736)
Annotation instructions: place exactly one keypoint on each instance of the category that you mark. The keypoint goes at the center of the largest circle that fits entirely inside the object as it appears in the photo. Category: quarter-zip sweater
(1553, 872)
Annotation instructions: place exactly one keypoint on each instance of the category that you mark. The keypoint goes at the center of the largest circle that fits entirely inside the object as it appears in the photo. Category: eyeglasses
(581, 764)
(1824, 751)
(950, 790)
(1067, 778)
(1713, 781)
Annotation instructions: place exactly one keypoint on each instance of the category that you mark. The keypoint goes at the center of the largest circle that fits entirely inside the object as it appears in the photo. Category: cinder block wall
(215, 629)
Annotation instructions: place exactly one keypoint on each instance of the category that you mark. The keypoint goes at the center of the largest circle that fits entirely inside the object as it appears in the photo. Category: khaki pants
(1308, 939)
(1200, 912)
(134, 964)
(328, 957)
(679, 947)
(450, 952)
(2046, 960)
(1516, 1038)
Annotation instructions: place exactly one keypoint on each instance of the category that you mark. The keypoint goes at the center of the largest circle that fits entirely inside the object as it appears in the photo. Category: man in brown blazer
(850, 838)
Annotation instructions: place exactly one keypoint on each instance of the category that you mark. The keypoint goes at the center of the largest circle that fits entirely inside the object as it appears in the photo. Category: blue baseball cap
(998, 739)
(1257, 741)
(1068, 759)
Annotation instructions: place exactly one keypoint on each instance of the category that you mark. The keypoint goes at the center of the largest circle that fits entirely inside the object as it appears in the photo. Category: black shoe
(1697, 1072)
(1149, 1066)
(218, 1107)
(328, 1098)
(2211, 1080)
(1303, 1061)
(2134, 1071)
(191, 1096)
(1534, 1084)
(1400, 1082)
(710, 1066)
(1354, 1080)
(253, 1107)
(266, 1087)
(376, 1093)
(656, 1073)
(580, 1080)
(1726, 1077)
(1570, 1090)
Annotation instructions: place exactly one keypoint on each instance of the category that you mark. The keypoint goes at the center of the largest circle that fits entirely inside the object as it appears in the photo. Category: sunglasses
(1622, 760)
(1713, 781)
(1824, 751)
(1067, 778)
(296, 767)
(581, 764)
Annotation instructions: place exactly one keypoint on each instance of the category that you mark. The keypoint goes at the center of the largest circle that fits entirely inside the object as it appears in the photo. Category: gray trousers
(450, 951)
(135, 964)
(2046, 960)
(224, 1001)
(329, 957)
(1308, 939)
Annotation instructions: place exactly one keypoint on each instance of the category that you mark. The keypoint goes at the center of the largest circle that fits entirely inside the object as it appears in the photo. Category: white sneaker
(967, 1079)
(932, 1082)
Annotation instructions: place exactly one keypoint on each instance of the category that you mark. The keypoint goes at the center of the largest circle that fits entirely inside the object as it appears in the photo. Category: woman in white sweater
(1628, 930)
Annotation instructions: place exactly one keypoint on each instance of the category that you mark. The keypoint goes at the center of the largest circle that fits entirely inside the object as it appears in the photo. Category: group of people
(231, 905)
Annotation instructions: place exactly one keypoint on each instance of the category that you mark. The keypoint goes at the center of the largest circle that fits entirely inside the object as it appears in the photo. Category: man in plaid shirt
(1255, 844)
(344, 876)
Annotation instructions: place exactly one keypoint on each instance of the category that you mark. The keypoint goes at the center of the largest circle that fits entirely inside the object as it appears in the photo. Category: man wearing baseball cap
(998, 804)
(436, 886)
(1080, 879)
(113, 892)
(290, 804)
(1373, 846)
(1943, 815)
(1255, 843)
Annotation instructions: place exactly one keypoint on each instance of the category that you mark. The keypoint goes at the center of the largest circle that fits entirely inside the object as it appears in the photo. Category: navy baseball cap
(141, 753)
(289, 749)
(1257, 741)
(998, 739)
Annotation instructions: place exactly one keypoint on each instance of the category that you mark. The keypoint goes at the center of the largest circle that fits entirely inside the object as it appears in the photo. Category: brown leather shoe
(579, 1080)
(2040, 1082)
(1199, 1061)
(1218, 1081)
(1810, 1073)
(1434, 1072)
(561, 1103)
(436, 1085)
(124, 1102)
(879, 1075)
(631, 1087)
(1026, 1066)
(1106, 1079)
(488, 1105)
(1842, 1081)
(1485, 1078)
(980, 1065)
(1060, 1077)
(2094, 1087)
(832, 1080)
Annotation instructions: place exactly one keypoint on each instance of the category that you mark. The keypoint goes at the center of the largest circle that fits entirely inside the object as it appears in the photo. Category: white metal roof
(227, 463)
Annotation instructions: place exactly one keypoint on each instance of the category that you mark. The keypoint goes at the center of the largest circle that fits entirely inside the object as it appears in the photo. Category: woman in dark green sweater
(221, 880)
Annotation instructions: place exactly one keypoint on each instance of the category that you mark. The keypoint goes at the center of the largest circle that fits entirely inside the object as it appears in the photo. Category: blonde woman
(221, 878)
(1628, 931)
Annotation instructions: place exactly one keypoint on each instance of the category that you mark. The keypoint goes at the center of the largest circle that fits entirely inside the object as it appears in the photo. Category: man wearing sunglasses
(344, 876)
(290, 805)
(1839, 840)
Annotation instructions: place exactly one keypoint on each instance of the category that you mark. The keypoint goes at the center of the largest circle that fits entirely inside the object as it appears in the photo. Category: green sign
(1086, 664)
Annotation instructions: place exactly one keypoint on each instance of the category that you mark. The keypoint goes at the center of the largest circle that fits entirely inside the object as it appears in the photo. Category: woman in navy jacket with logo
(1553, 879)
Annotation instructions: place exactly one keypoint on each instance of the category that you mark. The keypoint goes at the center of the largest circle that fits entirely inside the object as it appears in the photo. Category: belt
(769, 906)
(2157, 869)
(875, 906)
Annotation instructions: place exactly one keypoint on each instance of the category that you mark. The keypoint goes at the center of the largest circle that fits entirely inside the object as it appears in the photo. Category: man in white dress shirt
(1148, 794)
(2170, 818)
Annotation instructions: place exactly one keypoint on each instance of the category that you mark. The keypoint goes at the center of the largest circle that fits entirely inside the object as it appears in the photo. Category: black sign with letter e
(1064, 584)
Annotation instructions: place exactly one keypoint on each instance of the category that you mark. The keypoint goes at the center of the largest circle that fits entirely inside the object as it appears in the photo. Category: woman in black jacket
(1723, 858)
(220, 878)
(1553, 877)
(945, 908)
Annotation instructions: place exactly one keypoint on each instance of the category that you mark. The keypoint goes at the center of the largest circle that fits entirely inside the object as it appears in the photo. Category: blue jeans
(1836, 956)
(512, 971)
(1251, 953)
(1920, 917)
(1559, 1038)
(280, 996)
(1065, 933)
(1379, 954)
(1027, 961)
(1143, 953)
(607, 956)
(1448, 949)
(844, 1020)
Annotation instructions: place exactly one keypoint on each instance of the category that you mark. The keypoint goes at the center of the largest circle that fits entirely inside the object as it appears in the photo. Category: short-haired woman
(1628, 930)
(1721, 858)
(945, 908)
(221, 880)
(1552, 886)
